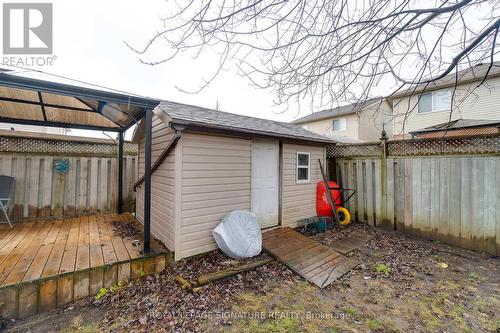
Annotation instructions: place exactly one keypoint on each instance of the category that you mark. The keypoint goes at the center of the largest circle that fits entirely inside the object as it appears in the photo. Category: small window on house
(435, 101)
(339, 124)
(303, 163)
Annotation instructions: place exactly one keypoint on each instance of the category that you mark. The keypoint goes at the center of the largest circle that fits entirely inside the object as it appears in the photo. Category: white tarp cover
(238, 235)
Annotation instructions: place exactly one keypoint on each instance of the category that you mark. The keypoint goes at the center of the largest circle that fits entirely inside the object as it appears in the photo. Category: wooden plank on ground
(351, 242)
(313, 261)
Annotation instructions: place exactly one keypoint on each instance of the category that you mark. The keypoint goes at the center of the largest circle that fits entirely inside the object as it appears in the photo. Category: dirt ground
(401, 285)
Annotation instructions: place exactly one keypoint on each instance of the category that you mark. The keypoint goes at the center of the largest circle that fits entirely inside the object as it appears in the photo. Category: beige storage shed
(206, 163)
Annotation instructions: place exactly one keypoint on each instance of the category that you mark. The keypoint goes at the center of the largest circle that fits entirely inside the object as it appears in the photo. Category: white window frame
(308, 167)
(343, 120)
(432, 93)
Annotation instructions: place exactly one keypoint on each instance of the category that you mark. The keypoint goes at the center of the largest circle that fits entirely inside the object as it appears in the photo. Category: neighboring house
(351, 123)
(459, 127)
(224, 162)
(420, 108)
(34, 129)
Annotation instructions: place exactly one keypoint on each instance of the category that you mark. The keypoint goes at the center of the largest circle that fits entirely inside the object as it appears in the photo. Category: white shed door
(265, 182)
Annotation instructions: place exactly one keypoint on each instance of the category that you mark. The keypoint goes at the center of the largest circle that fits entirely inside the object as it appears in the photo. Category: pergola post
(120, 172)
(147, 180)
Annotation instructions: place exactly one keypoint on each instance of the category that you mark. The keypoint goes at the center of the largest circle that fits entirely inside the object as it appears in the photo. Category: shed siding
(215, 180)
(469, 103)
(299, 200)
(162, 186)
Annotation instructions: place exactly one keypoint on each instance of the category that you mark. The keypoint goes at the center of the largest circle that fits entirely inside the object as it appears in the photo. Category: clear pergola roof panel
(37, 98)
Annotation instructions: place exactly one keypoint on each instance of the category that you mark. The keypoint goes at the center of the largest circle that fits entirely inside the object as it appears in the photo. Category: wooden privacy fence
(59, 176)
(440, 189)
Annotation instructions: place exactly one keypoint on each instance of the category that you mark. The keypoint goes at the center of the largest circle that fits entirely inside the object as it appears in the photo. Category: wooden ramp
(351, 242)
(313, 261)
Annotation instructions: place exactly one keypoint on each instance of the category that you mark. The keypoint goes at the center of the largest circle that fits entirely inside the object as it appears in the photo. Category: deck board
(45, 264)
(313, 261)
(34, 250)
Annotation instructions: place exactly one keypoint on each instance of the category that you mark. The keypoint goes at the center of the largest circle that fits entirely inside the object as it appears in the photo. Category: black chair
(6, 187)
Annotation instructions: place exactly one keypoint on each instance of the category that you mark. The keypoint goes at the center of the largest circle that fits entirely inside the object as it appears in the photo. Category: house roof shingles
(470, 74)
(191, 115)
(459, 124)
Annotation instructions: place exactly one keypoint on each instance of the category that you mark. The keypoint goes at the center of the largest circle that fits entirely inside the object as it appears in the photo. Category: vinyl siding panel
(162, 186)
(215, 180)
(371, 121)
(324, 127)
(470, 103)
(299, 200)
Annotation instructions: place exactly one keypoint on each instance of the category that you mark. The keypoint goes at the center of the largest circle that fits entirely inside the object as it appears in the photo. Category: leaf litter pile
(158, 302)
(402, 284)
(127, 229)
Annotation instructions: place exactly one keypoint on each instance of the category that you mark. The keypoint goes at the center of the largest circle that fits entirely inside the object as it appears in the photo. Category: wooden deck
(55, 262)
(315, 262)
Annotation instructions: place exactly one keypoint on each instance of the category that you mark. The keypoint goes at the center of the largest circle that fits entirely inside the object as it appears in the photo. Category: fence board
(435, 195)
(400, 194)
(40, 192)
(360, 201)
(477, 200)
(370, 202)
(497, 205)
(377, 191)
(455, 179)
(390, 209)
(489, 205)
(444, 178)
(466, 204)
(429, 192)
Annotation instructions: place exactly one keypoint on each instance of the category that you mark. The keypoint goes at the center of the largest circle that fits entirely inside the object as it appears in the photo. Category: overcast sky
(88, 43)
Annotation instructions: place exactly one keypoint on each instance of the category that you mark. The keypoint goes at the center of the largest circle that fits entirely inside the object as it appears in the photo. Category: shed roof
(459, 124)
(338, 111)
(37, 98)
(468, 75)
(199, 117)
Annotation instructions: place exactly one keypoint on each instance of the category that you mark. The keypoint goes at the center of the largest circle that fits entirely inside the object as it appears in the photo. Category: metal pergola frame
(102, 97)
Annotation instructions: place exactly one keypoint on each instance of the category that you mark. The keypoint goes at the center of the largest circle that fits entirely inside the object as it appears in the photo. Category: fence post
(383, 179)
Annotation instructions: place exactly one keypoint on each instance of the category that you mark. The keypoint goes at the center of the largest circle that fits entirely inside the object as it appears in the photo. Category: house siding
(215, 176)
(324, 127)
(470, 103)
(372, 120)
(299, 200)
(162, 186)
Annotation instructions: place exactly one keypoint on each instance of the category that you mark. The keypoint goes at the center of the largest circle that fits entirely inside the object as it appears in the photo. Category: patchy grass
(381, 268)
(399, 286)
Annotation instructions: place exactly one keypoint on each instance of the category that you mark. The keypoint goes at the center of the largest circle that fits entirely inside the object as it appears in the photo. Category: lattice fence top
(421, 147)
(447, 146)
(354, 150)
(24, 145)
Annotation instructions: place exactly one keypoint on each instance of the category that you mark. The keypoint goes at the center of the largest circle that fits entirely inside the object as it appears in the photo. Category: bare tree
(334, 51)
